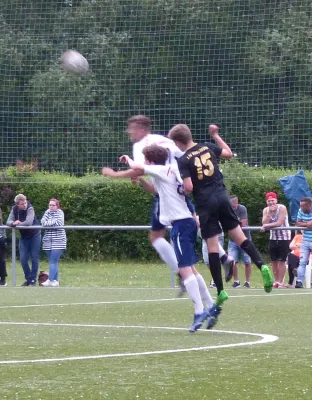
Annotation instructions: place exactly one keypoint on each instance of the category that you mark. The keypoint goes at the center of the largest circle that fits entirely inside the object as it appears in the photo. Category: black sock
(290, 276)
(224, 258)
(215, 269)
(253, 253)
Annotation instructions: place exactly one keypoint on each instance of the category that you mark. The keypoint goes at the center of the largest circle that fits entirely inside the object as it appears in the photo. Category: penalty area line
(264, 339)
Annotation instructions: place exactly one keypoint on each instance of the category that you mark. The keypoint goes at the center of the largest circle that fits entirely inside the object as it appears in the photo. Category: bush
(96, 202)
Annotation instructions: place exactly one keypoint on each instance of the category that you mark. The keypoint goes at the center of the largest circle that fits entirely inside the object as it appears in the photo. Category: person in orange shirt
(294, 258)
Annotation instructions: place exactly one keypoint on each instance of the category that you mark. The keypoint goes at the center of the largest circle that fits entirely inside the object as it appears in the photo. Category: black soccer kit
(211, 198)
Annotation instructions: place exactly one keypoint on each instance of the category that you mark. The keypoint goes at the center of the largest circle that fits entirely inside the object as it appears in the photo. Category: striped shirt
(280, 234)
(303, 217)
(53, 239)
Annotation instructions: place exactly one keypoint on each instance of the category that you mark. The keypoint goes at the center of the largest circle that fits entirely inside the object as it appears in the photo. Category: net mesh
(244, 64)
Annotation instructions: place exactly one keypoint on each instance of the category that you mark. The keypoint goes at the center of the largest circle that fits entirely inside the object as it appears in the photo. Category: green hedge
(94, 200)
(97, 202)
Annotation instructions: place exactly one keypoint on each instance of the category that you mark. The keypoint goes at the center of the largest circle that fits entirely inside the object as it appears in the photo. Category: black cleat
(228, 270)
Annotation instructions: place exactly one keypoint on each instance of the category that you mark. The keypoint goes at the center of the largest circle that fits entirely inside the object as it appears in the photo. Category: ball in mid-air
(74, 62)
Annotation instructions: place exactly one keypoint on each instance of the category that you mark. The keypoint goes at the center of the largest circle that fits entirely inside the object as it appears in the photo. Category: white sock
(166, 253)
(204, 292)
(192, 288)
(221, 251)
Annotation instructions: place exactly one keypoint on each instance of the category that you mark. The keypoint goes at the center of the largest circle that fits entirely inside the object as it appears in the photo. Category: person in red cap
(274, 216)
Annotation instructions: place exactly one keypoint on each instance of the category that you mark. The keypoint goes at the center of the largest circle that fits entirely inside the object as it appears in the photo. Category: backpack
(42, 277)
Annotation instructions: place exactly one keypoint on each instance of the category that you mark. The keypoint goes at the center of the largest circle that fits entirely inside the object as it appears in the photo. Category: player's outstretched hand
(213, 130)
(107, 171)
(124, 159)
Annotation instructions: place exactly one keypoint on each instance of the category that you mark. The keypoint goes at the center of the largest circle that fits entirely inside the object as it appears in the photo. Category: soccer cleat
(236, 285)
(3, 282)
(222, 297)
(214, 312)
(228, 270)
(182, 289)
(198, 320)
(267, 278)
(55, 283)
(246, 285)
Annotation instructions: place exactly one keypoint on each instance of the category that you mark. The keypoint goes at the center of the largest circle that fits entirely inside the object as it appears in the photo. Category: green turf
(91, 321)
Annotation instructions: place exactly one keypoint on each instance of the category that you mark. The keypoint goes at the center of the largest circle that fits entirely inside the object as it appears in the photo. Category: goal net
(245, 65)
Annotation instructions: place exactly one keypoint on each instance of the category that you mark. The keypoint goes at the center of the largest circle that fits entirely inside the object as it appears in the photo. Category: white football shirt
(172, 205)
(153, 138)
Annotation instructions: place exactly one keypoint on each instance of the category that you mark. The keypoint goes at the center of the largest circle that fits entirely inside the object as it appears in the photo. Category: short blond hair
(180, 133)
(19, 197)
(141, 121)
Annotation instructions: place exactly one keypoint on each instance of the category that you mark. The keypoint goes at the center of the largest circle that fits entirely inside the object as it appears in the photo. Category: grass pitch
(129, 340)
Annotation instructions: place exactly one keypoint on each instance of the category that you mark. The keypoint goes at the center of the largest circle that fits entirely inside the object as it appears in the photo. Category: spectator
(304, 219)
(54, 240)
(23, 214)
(3, 271)
(275, 215)
(236, 251)
(294, 258)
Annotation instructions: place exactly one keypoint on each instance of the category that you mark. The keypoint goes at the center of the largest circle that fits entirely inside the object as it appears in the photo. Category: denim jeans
(305, 250)
(205, 249)
(235, 251)
(29, 247)
(54, 258)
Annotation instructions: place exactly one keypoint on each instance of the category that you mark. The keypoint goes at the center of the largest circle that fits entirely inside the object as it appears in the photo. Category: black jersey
(200, 163)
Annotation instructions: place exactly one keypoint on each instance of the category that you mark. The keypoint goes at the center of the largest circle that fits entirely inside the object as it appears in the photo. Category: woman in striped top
(3, 270)
(54, 240)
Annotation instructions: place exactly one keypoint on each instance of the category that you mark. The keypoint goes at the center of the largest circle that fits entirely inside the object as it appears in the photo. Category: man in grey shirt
(235, 251)
(23, 214)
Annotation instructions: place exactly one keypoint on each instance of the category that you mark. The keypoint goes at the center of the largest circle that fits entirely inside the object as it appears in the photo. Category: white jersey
(153, 138)
(172, 205)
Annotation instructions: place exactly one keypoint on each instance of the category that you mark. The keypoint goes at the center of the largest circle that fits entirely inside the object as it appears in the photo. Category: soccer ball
(72, 61)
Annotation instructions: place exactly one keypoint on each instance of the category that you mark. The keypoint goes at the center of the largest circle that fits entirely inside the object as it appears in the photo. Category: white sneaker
(55, 283)
(47, 283)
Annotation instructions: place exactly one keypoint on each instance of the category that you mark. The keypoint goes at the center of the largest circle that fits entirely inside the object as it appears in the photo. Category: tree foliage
(243, 64)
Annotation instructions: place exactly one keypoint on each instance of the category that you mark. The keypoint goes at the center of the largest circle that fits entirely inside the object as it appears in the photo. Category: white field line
(96, 303)
(264, 338)
(170, 289)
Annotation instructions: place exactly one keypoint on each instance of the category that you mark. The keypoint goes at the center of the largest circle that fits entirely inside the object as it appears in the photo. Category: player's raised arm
(214, 133)
(129, 173)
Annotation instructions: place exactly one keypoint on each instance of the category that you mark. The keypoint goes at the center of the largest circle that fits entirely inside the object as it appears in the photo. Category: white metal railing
(116, 228)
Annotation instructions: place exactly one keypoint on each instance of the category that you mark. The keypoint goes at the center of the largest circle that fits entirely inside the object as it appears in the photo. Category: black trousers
(3, 271)
(293, 262)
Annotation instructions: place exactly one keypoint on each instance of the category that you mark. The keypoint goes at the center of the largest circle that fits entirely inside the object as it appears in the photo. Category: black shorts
(279, 249)
(216, 211)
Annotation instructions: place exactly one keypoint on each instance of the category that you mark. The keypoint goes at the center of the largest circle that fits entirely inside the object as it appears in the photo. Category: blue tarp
(295, 187)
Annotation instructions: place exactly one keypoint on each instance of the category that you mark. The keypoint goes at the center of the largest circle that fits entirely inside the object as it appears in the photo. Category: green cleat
(222, 297)
(267, 278)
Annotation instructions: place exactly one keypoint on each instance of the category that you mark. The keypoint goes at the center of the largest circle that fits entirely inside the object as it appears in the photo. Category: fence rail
(106, 228)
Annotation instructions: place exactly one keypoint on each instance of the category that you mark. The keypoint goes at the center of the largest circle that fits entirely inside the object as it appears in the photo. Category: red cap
(271, 195)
